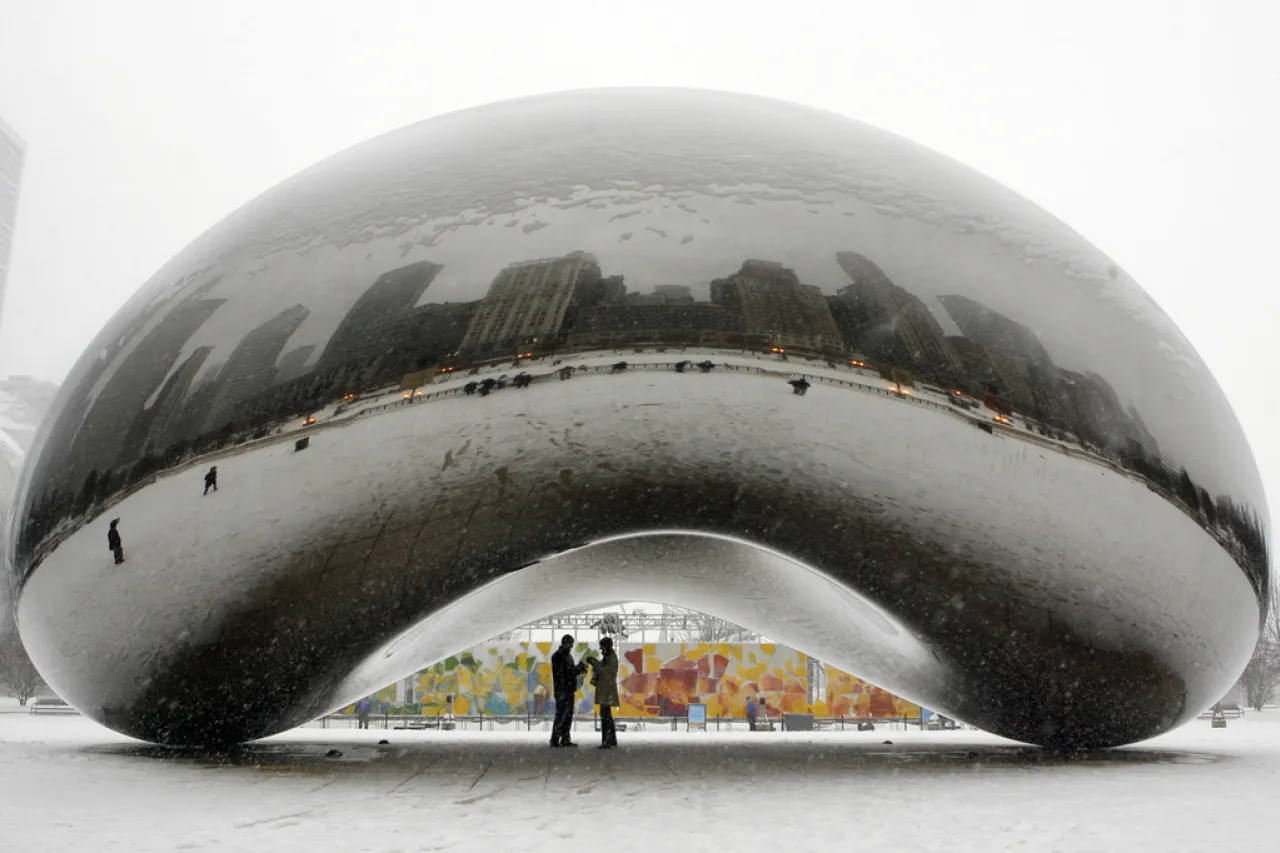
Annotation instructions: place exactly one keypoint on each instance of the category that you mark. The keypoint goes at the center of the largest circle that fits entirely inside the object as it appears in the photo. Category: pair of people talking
(564, 681)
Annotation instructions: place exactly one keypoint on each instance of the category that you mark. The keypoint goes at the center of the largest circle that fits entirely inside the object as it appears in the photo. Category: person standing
(753, 708)
(113, 541)
(363, 707)
(605, 679)
(564, 684)
(211, 479)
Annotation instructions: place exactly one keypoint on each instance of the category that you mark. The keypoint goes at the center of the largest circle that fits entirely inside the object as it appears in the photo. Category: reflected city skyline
(144, 421)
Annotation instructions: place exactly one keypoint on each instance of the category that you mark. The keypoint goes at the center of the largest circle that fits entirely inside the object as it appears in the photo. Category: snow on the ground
(66, 784)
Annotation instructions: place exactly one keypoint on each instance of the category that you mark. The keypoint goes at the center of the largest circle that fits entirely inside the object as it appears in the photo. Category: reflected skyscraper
(777, 308)
(365, 329)
(250, 370)
(528, 300)
(887, 322)
(100, 442)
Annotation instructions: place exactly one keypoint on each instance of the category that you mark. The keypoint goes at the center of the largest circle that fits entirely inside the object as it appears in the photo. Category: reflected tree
(18, 676)
(1261, 676)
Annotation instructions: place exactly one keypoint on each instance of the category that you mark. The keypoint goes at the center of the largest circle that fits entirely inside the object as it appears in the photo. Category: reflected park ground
(1193, 789)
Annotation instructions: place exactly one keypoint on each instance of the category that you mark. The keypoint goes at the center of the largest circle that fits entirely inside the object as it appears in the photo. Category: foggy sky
(1149, 127)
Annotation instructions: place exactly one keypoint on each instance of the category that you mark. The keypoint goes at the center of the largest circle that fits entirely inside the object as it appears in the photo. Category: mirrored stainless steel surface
(672, 345)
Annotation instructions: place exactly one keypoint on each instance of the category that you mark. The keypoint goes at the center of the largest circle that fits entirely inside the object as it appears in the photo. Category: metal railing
(542, 722)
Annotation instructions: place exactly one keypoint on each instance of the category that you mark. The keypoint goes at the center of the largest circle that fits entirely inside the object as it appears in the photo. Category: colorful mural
(654, 679)
(850, 696)
(662, 679)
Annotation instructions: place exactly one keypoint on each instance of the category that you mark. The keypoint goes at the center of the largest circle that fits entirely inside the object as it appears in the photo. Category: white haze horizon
(1146, 127)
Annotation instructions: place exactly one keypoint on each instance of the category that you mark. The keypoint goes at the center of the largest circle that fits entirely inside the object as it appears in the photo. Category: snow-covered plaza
(67, 784)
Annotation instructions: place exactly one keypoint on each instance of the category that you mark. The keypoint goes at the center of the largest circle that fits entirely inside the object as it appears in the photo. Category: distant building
(663, 294)
(674, 292)
(528, 301)
(777, 309)
(24, 400)
(679, 323)
(12, 152)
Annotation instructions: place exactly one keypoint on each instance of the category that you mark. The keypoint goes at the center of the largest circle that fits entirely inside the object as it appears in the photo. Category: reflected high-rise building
(996, 332)
(1026, 374)
(250, 370)
(528, 301)
(363, 332)
(1097, 416)
(889, 323)
(99, 443)
(294, 363)
(172, 401)
(12, 152)
(776, 307)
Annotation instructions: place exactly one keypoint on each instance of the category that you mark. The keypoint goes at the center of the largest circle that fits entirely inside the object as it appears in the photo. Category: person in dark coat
(564, 684)
(211, 479)
(605, 678)
(113, 541)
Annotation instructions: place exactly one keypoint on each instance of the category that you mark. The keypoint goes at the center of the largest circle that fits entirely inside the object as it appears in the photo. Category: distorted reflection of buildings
(890, 324)
(528, 301)
(132, 414)
(777, 308)
(250, 369)
(378, 316)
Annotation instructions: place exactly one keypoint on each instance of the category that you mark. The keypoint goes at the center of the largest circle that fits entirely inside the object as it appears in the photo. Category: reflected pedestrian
(363, 708)
(211, 479)
(564, 684)
(605, 678)
(114, 544)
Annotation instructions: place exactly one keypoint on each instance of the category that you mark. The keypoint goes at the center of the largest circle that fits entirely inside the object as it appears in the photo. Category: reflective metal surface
(723, 351)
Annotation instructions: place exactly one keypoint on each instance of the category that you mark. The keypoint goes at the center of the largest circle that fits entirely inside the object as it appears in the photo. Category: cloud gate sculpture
(722, 351)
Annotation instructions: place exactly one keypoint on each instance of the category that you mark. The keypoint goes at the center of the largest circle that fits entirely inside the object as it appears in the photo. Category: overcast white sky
(1150, 127)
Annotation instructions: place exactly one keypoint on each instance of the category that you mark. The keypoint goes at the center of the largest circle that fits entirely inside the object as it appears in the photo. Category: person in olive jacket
(604, 675)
